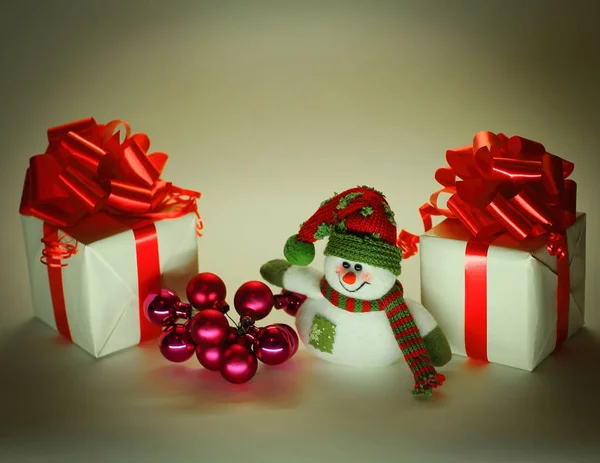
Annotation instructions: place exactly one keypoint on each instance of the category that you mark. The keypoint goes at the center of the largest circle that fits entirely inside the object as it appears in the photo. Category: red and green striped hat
(360, 226)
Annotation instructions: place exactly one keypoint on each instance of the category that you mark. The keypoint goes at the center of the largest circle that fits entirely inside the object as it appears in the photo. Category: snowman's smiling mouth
(353, 290)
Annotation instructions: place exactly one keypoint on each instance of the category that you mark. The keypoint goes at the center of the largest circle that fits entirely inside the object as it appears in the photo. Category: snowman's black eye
(346, 265)
(358, 267)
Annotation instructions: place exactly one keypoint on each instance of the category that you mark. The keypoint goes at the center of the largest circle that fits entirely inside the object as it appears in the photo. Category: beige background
(267, 108)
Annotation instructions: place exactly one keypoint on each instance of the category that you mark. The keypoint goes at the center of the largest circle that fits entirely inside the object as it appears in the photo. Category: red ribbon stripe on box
(89, 185)
(501, 185)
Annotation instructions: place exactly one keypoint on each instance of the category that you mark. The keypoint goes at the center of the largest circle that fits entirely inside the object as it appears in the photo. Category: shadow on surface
(198, 390)
(43, 385)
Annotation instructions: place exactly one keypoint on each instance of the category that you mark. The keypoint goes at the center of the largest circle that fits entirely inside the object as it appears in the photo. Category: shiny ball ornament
(221, 306)
(253, 332)
(175, 344)
(232, 336)
(289, 302)
(209, 327)
(253, 299)
(239, 364)
(205, 291)
(210, 357)
(291, 335)
(245, 340)
(158, 307)
(273, 345)
(181, 311)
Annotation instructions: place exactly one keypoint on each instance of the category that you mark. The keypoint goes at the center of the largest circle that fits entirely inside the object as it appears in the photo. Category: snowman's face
(358, 280)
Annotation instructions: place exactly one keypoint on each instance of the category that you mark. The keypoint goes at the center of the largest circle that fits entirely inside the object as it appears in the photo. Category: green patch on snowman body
(322, 334)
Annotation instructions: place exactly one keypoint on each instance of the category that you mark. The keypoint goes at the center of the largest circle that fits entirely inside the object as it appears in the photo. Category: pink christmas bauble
(209, 327)
(182, 311)
(232, 336)
(245, 341)
(239, 364)
(253, 299)
(273, 345)
(175, 344)
(289, 302)
(205, 290)
(159, 307)
(292, 336)
(210, 357)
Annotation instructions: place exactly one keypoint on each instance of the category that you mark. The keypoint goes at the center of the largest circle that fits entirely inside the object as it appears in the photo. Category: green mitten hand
(274, 270)
(438, 347)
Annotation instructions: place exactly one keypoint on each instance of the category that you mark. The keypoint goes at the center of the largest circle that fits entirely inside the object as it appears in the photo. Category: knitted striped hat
(360, 226)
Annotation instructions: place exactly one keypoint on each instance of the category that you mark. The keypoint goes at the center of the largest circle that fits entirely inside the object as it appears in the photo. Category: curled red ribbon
(407, 242)
(505, 185)
(87, 170)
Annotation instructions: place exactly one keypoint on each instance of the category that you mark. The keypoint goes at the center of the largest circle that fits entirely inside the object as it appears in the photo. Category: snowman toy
(354, 313)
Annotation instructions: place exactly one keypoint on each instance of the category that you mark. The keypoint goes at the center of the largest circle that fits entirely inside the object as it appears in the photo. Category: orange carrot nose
(349, 278)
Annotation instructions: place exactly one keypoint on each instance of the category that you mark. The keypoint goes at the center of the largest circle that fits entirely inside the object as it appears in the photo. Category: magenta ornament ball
(245, 341)
(205, 291)
(210, 357)
(239, 364)
(253, 299)
(273, 345)
(209, 327)
(175, 344)
(289, 302)
(291, 335)
(158, 307)
(232, 336)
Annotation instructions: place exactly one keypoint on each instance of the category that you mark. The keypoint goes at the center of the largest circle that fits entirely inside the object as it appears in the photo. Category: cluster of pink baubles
(202, 327)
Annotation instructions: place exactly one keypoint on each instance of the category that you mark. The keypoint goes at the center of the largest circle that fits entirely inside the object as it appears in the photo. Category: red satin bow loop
(500, 184)
(86, 169)
(408, 243)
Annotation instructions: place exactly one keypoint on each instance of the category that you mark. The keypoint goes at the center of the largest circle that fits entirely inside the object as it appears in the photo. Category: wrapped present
(504, 272)
(102, 232)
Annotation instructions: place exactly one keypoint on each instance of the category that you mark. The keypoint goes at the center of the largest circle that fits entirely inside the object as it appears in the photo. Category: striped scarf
(403, 326)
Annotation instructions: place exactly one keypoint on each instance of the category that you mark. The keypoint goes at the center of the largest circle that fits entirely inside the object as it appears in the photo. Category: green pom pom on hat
(298, 252)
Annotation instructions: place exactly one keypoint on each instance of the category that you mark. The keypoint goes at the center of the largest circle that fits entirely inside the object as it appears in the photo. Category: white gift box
(100, 282)
(521, 292)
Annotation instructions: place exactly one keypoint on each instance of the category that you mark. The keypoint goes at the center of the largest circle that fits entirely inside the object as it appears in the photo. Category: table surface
(59, 404)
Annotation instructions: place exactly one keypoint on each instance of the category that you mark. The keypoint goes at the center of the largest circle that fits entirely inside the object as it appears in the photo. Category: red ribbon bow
(86, 170)
(500, 184)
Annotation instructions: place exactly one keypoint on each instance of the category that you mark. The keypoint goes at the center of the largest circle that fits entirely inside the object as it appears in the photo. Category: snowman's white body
(361, 339)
